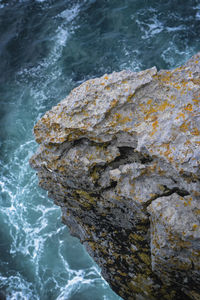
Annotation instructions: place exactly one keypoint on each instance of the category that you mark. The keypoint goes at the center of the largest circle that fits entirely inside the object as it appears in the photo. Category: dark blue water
(46, 49)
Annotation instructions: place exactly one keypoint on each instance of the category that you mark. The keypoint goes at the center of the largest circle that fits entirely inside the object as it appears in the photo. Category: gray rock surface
(120, 156)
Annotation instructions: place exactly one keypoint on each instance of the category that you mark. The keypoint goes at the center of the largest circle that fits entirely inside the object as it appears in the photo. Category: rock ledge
(120, 156)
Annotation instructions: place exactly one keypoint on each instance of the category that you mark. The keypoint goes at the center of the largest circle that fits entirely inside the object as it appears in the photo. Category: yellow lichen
(194, 226)
(195, 131)
(163, 106)
(196, 101)
(180, 115)
(184, 127)
(149, 101)
(189, 107)
(113, 102)
(145, 258)
(154, 125)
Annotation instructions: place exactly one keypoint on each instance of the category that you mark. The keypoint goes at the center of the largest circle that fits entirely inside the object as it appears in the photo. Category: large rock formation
(120, 155)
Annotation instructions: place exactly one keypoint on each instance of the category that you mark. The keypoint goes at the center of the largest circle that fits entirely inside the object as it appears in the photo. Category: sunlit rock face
(120, 156)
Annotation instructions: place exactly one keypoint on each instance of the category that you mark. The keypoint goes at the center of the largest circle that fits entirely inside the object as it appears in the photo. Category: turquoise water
(46, 49)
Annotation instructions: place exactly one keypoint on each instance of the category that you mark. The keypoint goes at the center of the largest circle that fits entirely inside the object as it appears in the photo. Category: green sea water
(46, 49)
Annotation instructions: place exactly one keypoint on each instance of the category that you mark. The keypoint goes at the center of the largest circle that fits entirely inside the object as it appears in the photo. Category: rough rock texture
(121, 155)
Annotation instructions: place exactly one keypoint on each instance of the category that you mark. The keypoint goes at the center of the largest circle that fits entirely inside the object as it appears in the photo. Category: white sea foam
(151, 27)
(173, 54)
(176, 28)
(70, 14)
(74, 285)
(17, 288)
(49, 69)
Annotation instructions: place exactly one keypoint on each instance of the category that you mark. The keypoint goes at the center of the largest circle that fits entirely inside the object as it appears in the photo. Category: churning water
(47, 47)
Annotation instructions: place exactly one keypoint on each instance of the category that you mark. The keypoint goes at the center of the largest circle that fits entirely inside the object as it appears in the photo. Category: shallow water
(46, 49)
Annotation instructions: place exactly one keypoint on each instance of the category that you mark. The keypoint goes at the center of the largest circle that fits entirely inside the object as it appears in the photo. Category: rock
(120, 156)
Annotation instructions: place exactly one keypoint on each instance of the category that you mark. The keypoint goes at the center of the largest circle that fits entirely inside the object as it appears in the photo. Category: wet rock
(121, 155)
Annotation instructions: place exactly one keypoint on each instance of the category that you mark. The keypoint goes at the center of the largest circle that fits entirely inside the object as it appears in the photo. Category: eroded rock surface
(121, 155)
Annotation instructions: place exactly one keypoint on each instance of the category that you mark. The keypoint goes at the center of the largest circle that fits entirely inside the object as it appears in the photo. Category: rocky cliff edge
(120, 156)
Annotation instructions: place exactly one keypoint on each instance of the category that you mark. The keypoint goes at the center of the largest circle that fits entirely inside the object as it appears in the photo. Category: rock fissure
(120, 156)
(166, 193)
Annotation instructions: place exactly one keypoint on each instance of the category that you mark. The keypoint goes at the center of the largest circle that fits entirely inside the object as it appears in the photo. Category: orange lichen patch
(149, 101)
(189, 107)
(113, 102)
(117, 117)
(195, 226)
(188, 142)
(106, 77)
(62, 139)
(142, 106)
(39, 140)
(196, 193)
(127, 129)
(196, 101)
(85, 113)
(102, 83)
(121, 119)
(61, 169)
(184, 127)
(173, 97)
(154, 125)
(153, 167)
(124, 81)
(129, 98)
(180, 115)
(178, 87)
(107, 87)
(183, 92)
(184, 83)
(188, 202)
(161, 172)
(58, 117)
(164, 105)
(195, 131)
(72, 135)
(148, 114)
(90, 157)
(196, 81)
(154, 108)
(167, 152)
(125, 119)
(165, 78)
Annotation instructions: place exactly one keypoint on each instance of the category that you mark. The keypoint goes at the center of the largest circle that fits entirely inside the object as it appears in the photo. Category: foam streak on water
(47, 47)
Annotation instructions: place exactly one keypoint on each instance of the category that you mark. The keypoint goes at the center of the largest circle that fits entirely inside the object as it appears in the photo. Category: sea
(48, 47)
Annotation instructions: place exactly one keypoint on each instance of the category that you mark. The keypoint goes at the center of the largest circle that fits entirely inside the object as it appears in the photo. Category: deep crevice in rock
(168, 192)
